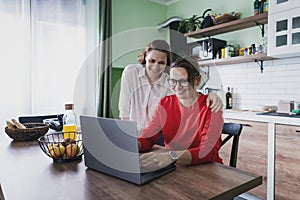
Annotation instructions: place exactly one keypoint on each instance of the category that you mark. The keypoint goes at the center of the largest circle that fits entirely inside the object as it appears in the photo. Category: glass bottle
(69, 122)
(228, 99)
(266, 6)
(256, 7)
(261, 6)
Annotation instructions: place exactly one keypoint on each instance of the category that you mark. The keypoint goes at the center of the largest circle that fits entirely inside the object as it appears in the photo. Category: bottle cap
(69, 106)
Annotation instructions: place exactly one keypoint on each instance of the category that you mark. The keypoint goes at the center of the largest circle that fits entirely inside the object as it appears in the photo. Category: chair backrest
(56, 123)
(232, 130)
(37, 119)
(1, 194)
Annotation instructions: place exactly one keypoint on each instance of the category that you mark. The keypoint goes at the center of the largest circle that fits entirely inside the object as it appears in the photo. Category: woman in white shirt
(144, 84)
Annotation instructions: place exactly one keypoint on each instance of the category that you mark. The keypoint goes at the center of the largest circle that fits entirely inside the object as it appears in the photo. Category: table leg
(271, 161)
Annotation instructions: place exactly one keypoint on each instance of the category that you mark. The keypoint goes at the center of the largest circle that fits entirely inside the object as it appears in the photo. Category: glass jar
(69, 122)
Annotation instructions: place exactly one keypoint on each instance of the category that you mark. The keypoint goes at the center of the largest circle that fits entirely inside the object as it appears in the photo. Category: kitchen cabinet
(287, 162)
(284, 29)
(276, 6)
(248, 22)
(252, 153)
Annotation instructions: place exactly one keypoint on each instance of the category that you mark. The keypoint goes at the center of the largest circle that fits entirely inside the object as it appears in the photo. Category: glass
(296, 38)
(281, 1)
(41, 38)
(296, 22)
(69, 122)
(281, 40)
(58, 47)
(14, 62)
(182, 82)
(281, 25)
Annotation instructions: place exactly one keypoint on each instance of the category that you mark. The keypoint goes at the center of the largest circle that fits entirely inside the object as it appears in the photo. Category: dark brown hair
(159, 45)
(190, 64)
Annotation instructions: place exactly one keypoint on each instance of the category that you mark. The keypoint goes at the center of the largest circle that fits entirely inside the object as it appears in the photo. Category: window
(43, 46)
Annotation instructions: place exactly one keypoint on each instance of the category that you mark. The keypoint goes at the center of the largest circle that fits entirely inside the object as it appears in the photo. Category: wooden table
(27, 173)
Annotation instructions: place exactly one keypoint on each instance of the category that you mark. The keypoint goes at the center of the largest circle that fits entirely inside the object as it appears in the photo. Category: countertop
(260, 117)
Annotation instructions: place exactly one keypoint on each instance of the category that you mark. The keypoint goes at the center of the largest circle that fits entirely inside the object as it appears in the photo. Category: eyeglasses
(182, 82)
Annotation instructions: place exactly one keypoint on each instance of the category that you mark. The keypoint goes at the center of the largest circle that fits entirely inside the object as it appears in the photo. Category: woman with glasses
(144, 84)
(191, 130)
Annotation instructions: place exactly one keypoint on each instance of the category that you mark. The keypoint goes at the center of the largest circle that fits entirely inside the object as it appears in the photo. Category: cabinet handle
(297, 131)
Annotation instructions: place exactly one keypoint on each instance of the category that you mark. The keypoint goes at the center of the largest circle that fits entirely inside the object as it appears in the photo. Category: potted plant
(190, 24)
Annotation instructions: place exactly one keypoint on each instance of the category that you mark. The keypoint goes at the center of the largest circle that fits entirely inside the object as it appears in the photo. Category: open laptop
(111, 147)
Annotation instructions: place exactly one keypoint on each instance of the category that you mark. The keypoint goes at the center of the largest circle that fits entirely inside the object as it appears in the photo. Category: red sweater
(195, 128)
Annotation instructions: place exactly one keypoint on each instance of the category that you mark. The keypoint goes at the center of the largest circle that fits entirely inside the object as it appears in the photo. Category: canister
(297, 105)
(229, 50)
(223, 53)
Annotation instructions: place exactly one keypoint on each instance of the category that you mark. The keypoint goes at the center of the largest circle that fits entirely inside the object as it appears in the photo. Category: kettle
(207, 20)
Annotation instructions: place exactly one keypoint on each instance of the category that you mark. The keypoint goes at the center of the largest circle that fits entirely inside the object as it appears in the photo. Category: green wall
(134, 25)
(246, 37)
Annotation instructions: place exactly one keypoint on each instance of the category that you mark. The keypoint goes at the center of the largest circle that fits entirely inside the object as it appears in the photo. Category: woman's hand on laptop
(155, 160)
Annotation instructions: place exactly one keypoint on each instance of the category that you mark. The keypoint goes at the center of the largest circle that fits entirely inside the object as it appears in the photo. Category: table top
(27, 173)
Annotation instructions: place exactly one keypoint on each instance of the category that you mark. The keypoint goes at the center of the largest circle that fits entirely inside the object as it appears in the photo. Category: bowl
(61, 149)
(32, 132)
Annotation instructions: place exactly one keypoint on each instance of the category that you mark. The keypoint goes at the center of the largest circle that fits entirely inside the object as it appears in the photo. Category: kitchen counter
(272, 121)
(261, 117)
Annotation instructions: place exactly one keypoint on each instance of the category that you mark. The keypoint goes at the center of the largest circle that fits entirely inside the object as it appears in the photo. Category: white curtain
(43, 45)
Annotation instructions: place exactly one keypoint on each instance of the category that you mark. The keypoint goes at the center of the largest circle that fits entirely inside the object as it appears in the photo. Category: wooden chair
(1, 193)
(232, 130)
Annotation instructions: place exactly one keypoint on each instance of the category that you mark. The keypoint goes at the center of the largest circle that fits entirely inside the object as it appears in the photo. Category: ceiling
(164, 2)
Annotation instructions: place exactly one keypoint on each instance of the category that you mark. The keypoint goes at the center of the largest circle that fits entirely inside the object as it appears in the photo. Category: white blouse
(138, 99)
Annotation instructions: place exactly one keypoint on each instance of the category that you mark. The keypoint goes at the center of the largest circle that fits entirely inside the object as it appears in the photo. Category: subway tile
(251, 88)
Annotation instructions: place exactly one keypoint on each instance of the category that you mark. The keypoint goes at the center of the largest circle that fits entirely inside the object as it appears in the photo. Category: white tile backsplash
(253, 89)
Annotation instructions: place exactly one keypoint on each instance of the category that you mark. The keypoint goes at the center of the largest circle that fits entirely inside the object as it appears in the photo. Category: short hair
(159, 45)
(190, 64)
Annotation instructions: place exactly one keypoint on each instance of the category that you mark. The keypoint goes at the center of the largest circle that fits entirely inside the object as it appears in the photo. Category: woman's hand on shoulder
(214, 102)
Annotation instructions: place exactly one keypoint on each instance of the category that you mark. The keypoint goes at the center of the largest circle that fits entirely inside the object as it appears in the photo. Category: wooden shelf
(235, 60)
(230, 26)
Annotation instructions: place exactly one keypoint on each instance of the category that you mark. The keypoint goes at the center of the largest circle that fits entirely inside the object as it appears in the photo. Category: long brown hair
(159, 45)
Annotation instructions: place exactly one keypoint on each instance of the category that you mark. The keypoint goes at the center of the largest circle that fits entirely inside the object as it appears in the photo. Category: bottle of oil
(69, 122)
(228, 99)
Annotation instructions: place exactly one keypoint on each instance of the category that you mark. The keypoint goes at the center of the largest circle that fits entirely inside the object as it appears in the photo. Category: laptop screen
(113, 142)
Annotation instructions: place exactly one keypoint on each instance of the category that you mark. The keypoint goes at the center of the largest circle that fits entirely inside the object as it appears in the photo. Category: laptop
(111, 147)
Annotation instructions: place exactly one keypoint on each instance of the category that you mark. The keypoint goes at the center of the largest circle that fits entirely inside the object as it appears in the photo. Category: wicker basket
(32, 132)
